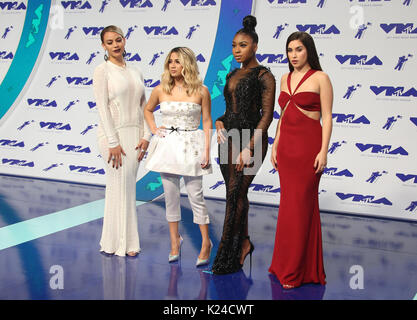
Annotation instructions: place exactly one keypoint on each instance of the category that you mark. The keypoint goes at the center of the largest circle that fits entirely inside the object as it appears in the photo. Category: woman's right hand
(160, 132)
(221, 131)
(115, 155)
(274, 156)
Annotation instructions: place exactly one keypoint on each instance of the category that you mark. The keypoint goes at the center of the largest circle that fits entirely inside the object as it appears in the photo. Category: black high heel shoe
(252, 247)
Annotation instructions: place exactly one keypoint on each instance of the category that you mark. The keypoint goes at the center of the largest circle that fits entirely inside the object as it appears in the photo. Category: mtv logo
(76, 5)
(93, 31)
(350, 118)
(385, 149)
(361, 60)
(11, 143)
(318, 29)
(136, 3)
(400, 28)
(272, 58)
(362, 198)
(12, 5)
(160, 30)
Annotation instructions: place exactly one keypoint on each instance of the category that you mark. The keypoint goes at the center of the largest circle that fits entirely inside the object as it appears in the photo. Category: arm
(207, 124)
(268, 99)
(277, 132)
(326, 99)
(101, 94)
(146, 131)
(150, 107)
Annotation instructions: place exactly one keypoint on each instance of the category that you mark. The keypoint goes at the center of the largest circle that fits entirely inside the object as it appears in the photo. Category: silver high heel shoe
(202, 262)
(175, 257)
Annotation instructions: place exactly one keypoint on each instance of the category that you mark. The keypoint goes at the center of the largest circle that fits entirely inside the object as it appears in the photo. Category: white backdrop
(368, 48)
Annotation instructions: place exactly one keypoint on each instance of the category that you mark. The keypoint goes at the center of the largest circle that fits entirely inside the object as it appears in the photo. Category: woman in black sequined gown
(249, 94)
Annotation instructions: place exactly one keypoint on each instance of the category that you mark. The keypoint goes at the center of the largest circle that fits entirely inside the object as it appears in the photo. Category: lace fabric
(249, 96)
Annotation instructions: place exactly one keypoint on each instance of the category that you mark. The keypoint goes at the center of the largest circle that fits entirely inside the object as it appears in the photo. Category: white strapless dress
(181, 151)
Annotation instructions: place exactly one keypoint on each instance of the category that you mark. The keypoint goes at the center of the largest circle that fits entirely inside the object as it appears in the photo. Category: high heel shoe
(252, 247)
(202, 262)
(175, 257)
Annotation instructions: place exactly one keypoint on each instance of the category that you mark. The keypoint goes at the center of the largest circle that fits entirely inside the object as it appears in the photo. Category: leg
(194, 186)
(171, 184)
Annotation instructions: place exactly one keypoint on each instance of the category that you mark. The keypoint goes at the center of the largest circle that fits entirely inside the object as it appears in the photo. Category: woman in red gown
(299, 154)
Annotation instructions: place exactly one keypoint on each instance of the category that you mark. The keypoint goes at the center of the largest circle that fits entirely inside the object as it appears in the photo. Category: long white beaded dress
(120, 98)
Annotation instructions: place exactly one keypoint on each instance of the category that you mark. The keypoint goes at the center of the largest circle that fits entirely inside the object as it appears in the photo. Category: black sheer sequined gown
(249, 96)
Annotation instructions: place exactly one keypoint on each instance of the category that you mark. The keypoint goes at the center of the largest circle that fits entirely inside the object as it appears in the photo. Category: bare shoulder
(284, 77)
(204, 91)
(322, 76)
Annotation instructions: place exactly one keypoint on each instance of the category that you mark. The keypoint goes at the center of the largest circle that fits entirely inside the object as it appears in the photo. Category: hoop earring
(106, 57)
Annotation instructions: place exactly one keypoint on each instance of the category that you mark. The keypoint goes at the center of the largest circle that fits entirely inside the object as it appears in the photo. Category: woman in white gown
(123, 139)
(178, 148)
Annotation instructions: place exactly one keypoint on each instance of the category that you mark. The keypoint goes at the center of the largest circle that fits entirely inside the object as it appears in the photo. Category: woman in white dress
(178, 148)
(123, 138)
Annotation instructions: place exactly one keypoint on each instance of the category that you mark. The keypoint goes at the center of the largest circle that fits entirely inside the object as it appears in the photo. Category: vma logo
(413, 120)
(198, 3)
(136, 4)
(158, 30)
(358, 60)
(73, 5)
(55, 126)
(79, 81)
(6, 55)
(264, 188)
(407, 177)
(394, 91)
(42, 103)
(384, 149)
(318, 29)
(92, 31)
(83, 169)
(67, 56)
(399, 28)
(365, 199)
(72, 148)
(350, 118)
(19, 163)
(338, 173)
(12, 5)
(272, 58)
(11, 143)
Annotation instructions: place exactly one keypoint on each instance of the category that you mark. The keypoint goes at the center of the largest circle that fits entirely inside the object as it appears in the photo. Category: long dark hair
(249, 23)
(308, 42)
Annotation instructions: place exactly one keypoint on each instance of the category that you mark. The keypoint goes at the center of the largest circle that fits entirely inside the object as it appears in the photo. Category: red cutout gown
(298, 255)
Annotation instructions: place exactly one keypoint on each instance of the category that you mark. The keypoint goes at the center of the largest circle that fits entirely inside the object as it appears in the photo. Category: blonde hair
(190, 72)
(110, 29)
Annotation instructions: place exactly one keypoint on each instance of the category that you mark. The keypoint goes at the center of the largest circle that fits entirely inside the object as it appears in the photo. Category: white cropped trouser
(194, 187)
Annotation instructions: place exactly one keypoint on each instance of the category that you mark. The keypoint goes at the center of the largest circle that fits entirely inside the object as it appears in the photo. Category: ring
(142, 150)
(114, 158)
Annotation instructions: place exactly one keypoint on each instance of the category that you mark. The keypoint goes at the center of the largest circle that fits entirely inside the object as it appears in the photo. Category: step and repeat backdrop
(48, 116)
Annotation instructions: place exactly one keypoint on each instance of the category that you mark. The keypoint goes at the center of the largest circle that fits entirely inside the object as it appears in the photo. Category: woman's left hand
(243, 159)
(205, 164)
(143, 146)
(320, 162)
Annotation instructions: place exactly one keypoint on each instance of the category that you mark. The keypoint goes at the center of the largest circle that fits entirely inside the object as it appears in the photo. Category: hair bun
(249, 23)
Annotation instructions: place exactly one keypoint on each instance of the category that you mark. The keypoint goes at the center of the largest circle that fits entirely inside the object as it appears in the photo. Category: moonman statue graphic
(401, 61)
(350, 91)
(6, 31)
